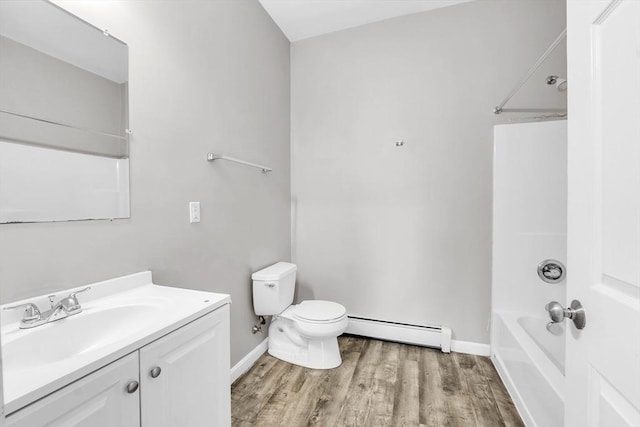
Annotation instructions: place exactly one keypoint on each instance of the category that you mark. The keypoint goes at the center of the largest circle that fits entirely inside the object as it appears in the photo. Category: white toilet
(305, 334)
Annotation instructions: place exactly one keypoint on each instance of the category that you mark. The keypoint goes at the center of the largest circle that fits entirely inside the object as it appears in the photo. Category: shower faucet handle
(551, 271)
(574, 312)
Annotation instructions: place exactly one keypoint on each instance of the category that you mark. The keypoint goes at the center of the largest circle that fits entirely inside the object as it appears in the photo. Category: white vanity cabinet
(182, 378)
(97, 400)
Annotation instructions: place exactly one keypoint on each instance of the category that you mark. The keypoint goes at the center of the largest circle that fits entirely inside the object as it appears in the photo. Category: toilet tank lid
(274, 272)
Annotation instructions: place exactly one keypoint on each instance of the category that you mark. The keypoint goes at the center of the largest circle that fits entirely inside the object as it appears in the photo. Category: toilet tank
(273, 288)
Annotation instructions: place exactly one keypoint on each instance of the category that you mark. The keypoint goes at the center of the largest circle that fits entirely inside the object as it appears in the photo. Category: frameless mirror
(64, 150)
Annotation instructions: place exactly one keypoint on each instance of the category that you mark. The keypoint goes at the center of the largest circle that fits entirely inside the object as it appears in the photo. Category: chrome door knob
(574, 312)
(556, 311)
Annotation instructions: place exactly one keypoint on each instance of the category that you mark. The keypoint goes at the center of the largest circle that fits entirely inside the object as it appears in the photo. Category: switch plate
(194, 212)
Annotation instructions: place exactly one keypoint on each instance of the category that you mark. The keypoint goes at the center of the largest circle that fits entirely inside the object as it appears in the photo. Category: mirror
(64, 148)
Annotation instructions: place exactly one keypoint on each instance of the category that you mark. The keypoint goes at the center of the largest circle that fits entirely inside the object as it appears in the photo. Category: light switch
(194, 211)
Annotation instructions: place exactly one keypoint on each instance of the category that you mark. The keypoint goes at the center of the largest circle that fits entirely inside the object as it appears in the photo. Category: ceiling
(301, 19)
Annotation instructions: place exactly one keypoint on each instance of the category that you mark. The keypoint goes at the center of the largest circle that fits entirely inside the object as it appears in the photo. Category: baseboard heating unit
(427, 336)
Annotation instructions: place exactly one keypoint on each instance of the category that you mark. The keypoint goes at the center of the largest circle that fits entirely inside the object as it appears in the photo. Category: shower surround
(529, 226)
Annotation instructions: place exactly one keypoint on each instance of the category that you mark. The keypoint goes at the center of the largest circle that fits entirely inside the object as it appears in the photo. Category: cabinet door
(191, 387)
(100, 399)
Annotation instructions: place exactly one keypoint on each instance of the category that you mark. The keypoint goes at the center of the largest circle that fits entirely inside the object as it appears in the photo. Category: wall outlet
(194, 212)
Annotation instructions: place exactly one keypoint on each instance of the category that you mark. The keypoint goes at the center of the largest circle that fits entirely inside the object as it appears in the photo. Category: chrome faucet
(67, 306)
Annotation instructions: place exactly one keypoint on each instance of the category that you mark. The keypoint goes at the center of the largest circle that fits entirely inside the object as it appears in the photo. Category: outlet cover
(194, 212)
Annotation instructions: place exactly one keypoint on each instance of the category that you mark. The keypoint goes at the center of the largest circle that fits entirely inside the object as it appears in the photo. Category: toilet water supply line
(258, 326)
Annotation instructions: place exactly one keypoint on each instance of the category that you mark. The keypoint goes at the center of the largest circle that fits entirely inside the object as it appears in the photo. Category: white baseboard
(247, 361)
(469, 347)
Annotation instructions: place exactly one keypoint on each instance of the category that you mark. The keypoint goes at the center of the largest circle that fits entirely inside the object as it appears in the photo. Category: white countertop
(119, 316)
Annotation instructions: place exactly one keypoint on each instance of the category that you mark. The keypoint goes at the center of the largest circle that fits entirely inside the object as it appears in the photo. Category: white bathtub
(551, 344)
(530, 361)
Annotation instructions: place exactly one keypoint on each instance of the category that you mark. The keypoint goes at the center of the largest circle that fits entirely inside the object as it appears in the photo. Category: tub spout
(555, 328)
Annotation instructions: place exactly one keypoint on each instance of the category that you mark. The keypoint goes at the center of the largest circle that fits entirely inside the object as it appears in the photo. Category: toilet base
(285, 343)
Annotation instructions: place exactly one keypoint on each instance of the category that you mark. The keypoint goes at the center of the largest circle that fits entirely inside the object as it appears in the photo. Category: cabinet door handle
(155, 372)
(132, 387)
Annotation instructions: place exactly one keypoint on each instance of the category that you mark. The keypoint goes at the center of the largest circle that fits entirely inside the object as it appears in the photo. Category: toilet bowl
(310, 342)
(304, 334)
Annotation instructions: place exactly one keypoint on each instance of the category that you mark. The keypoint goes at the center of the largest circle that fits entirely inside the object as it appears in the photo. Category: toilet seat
(328, 328)
(319, 311)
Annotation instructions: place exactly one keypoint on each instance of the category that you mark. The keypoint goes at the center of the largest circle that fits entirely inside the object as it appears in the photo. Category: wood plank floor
(378, 384)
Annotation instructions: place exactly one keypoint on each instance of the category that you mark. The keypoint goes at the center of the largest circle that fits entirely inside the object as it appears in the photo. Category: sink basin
(118, 317)
(91, 330)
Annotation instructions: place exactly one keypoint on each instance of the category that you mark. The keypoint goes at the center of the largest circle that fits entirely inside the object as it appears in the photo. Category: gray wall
(404, 234)
(204, 76)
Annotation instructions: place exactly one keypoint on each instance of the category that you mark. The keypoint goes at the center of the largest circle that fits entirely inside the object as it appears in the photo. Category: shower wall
(529, 213)
(529, 226)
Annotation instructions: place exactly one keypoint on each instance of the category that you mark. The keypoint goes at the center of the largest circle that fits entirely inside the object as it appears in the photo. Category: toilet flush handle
(270, 285)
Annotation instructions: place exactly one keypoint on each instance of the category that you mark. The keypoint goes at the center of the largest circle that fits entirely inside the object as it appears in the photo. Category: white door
(108, 397)
(603, 359)
(185, 376)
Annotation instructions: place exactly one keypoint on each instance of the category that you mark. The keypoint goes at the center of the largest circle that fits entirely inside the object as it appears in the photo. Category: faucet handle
(31, 311)
(71, 303)
(73, 295)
